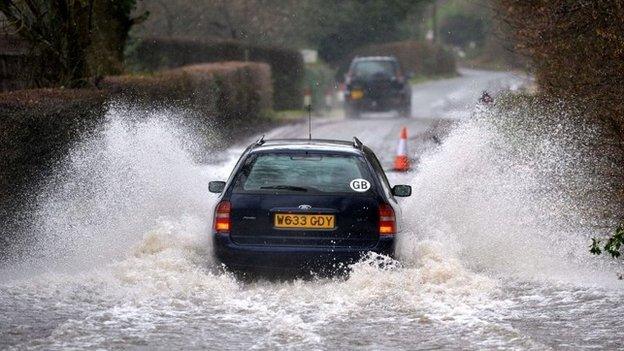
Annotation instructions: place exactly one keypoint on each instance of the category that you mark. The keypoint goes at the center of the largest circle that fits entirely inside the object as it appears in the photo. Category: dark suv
(304, 205)
(376, 84)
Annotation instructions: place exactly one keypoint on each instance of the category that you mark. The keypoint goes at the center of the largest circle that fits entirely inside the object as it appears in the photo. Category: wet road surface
(122, 258)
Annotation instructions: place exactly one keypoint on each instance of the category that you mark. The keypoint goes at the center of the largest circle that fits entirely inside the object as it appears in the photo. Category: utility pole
(434, 21)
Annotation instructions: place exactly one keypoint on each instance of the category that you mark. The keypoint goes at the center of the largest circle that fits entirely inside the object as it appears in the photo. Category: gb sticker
(360, 185)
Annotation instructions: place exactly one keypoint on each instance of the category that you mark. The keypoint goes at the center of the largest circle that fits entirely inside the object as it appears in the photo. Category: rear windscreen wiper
(284, 187)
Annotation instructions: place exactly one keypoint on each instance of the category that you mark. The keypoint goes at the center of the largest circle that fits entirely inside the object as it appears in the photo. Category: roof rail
(357, 143)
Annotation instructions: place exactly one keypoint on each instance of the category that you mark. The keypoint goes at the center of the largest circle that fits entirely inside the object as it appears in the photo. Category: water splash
(122, 256)
(509, 198)
(137, 174)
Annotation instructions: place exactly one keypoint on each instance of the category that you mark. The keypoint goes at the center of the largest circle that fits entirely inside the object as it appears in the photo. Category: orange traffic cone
(401, 162)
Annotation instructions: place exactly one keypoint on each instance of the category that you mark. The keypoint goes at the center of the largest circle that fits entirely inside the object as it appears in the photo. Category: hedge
(223, 92)
(585, 152)
(418, 57)
(37, 127)
(576, 50)
(286, 65)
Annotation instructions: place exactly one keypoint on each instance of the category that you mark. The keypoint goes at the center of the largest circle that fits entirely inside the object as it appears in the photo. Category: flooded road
(121, 256)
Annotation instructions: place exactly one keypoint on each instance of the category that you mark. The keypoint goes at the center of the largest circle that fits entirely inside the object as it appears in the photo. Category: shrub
(37, 127)
(418, 57)
(224, 92)
(460, 29)
(286, 65)
(583, 164)
(577, 55)
(612, 246)
(576, 51)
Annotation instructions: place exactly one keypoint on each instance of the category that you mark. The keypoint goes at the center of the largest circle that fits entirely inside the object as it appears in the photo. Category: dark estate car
(376, 84)
(304, 205)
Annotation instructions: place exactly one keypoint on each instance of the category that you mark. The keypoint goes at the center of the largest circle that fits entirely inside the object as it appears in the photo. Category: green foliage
(595, 247)
(339, 27)
(461, 29)
(464, 21)
(612, 246)
(124, 7)
(39, 126)
(222, 92)
(334, 27)
(286, 65)
(264, 22)
(576, 51)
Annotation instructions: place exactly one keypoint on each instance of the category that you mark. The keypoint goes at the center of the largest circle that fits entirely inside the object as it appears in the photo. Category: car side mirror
(216, 186)
(402, 190)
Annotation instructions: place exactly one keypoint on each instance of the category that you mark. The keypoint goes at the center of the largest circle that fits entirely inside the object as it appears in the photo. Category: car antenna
(309, 109)
(357, 143)
(260, 141)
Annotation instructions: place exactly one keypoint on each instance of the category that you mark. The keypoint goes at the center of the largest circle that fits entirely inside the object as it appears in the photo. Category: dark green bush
(223, 92)
(612, 246)
(576, 51)
(38, 127)
(460, 29)
(286, 65)
(576, 54)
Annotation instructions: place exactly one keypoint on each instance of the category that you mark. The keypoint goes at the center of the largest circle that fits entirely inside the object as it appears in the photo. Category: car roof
(374, 58)
(307, 145)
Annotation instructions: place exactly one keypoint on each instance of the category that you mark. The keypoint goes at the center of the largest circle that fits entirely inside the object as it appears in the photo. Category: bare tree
(254, 21)
(71, 40)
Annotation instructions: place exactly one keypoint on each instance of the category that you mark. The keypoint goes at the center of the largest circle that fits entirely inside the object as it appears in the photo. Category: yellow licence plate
(304, 221)
(357, 94)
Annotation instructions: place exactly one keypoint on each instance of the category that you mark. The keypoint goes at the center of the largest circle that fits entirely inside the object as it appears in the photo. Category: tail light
(387, 220)
(222, 222)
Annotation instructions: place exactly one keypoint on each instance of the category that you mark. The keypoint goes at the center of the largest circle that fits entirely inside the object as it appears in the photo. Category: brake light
(387, 220)
(222, 220)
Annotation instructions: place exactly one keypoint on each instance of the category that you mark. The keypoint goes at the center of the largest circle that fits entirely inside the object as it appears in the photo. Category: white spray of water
(132, 177)
(123, 234)
(505, 204)
(479, 200)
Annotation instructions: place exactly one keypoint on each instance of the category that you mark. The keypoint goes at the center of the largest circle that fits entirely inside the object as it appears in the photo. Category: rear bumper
(383, 103)
(256, 257)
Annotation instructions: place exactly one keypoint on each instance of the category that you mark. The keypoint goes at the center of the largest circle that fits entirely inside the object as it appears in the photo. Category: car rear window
(302, 173)
(368, 69)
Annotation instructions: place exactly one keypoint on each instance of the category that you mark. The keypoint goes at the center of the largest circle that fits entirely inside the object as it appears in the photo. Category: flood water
(119, 257)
